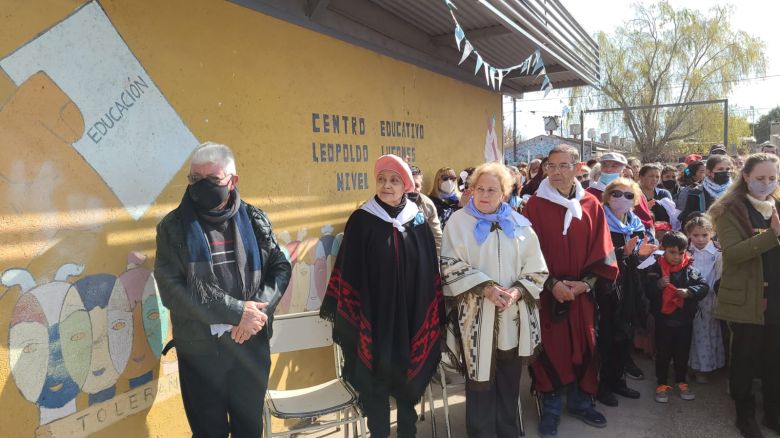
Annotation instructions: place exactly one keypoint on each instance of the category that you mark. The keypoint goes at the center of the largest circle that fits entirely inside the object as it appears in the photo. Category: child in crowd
(707, 350)
(674, 287)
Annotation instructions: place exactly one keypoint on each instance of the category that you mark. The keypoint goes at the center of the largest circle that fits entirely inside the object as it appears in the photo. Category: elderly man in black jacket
(221, 274)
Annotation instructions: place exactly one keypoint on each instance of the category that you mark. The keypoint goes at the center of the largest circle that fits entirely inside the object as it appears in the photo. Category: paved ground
(711, 415)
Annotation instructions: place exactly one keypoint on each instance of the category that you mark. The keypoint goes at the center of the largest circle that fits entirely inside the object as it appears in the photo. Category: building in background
(100, 108)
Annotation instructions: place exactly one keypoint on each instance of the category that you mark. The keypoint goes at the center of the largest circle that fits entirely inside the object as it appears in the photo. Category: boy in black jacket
(673, 287)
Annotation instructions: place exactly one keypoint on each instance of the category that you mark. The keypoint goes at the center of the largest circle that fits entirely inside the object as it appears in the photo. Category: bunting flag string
(494, 76)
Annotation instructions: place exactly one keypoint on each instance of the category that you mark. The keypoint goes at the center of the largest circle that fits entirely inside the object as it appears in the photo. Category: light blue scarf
(632, 225)
(714, 188)
(502, 216)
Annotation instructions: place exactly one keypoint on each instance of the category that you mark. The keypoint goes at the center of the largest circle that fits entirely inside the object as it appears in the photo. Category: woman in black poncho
(385, 300)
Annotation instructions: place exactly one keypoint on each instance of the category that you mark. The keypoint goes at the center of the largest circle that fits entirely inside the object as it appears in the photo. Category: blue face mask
(607, 178)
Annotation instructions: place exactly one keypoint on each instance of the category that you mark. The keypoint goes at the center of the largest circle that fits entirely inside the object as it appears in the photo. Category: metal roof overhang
(420, 32)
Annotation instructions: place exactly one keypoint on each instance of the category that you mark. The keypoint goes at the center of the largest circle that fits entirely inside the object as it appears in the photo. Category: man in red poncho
(576, 244)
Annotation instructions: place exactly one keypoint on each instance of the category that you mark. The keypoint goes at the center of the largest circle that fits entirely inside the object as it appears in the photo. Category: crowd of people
(568, 269)
(559, 266)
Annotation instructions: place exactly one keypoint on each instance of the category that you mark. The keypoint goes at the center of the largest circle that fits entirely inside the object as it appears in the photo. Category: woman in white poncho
(493, 271)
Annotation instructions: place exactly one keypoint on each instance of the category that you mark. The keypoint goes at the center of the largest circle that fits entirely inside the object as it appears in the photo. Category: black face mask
(721, 178)
(206, 195)
(669, 184)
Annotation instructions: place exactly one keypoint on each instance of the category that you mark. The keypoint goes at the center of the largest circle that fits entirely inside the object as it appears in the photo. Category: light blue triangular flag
(466, 51)
(459, 35)
(538, 64)
(479, 63)
(492, 78)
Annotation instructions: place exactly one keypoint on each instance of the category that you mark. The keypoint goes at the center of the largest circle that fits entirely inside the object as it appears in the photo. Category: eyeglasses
(489, 191)
(627, 195)
(448, 178)
(563, 167)
(194, 178)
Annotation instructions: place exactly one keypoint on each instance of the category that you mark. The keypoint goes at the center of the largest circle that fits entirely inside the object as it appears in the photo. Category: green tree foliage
(762, 126)
(667, 55)
(707, 124)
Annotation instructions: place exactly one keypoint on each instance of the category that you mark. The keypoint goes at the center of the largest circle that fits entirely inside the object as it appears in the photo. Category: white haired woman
(493, 271)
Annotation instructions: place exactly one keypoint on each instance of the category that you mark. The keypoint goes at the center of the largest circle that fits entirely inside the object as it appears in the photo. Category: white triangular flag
(487, 68)
(466, 52)
(501, 75)
(492, 78)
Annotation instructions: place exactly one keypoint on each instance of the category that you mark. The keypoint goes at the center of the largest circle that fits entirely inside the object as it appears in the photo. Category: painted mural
(91, 143)
(72, 342)
(312, 261)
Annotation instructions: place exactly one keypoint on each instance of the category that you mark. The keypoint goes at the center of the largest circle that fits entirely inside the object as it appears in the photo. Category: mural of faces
(50, 342)
(109, 311)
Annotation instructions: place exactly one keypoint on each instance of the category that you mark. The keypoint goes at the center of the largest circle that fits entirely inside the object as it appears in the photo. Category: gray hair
(595, 172)
(215, 153)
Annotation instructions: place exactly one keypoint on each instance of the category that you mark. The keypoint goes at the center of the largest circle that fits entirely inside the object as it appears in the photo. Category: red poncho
(569, 345)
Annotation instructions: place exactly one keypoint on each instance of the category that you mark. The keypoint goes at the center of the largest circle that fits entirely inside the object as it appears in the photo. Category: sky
(758, 18)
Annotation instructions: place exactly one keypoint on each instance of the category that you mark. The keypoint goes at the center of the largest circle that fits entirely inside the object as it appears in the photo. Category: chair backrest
(300, 331)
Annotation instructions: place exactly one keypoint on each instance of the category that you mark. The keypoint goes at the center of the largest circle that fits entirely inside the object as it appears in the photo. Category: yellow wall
(234, 76)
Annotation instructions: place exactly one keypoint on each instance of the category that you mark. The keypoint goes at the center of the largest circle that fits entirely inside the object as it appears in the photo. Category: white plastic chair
(303, 331)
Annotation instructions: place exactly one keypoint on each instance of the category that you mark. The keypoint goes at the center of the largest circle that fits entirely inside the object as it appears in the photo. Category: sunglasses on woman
(448, 178)
(628, 195)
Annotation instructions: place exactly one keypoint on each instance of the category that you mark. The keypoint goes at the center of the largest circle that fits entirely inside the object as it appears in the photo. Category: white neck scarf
(407, 214)
(598, 185)
(763, 207)
(573, 206)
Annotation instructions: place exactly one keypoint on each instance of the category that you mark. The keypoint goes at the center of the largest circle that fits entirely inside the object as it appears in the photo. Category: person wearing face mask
(669, 181)
(221, 274)
(426, 205)
(612, 166)
(620, 302)
(748, 227)
(385, 300)
(445, 194)
(717, 180)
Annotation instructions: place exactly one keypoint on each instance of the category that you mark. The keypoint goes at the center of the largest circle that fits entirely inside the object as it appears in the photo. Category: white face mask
(620, 206)
(761, 189)
(447, 186)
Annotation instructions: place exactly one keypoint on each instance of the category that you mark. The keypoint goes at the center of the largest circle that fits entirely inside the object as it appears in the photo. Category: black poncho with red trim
(385, 300)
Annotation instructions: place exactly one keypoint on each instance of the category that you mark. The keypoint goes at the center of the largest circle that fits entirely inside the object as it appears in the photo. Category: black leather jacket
(190, 318)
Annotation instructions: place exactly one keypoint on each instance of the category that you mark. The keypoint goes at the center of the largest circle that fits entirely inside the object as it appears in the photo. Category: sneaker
(662, 393)
(633, 371)
(685, 392)
(548, 425)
